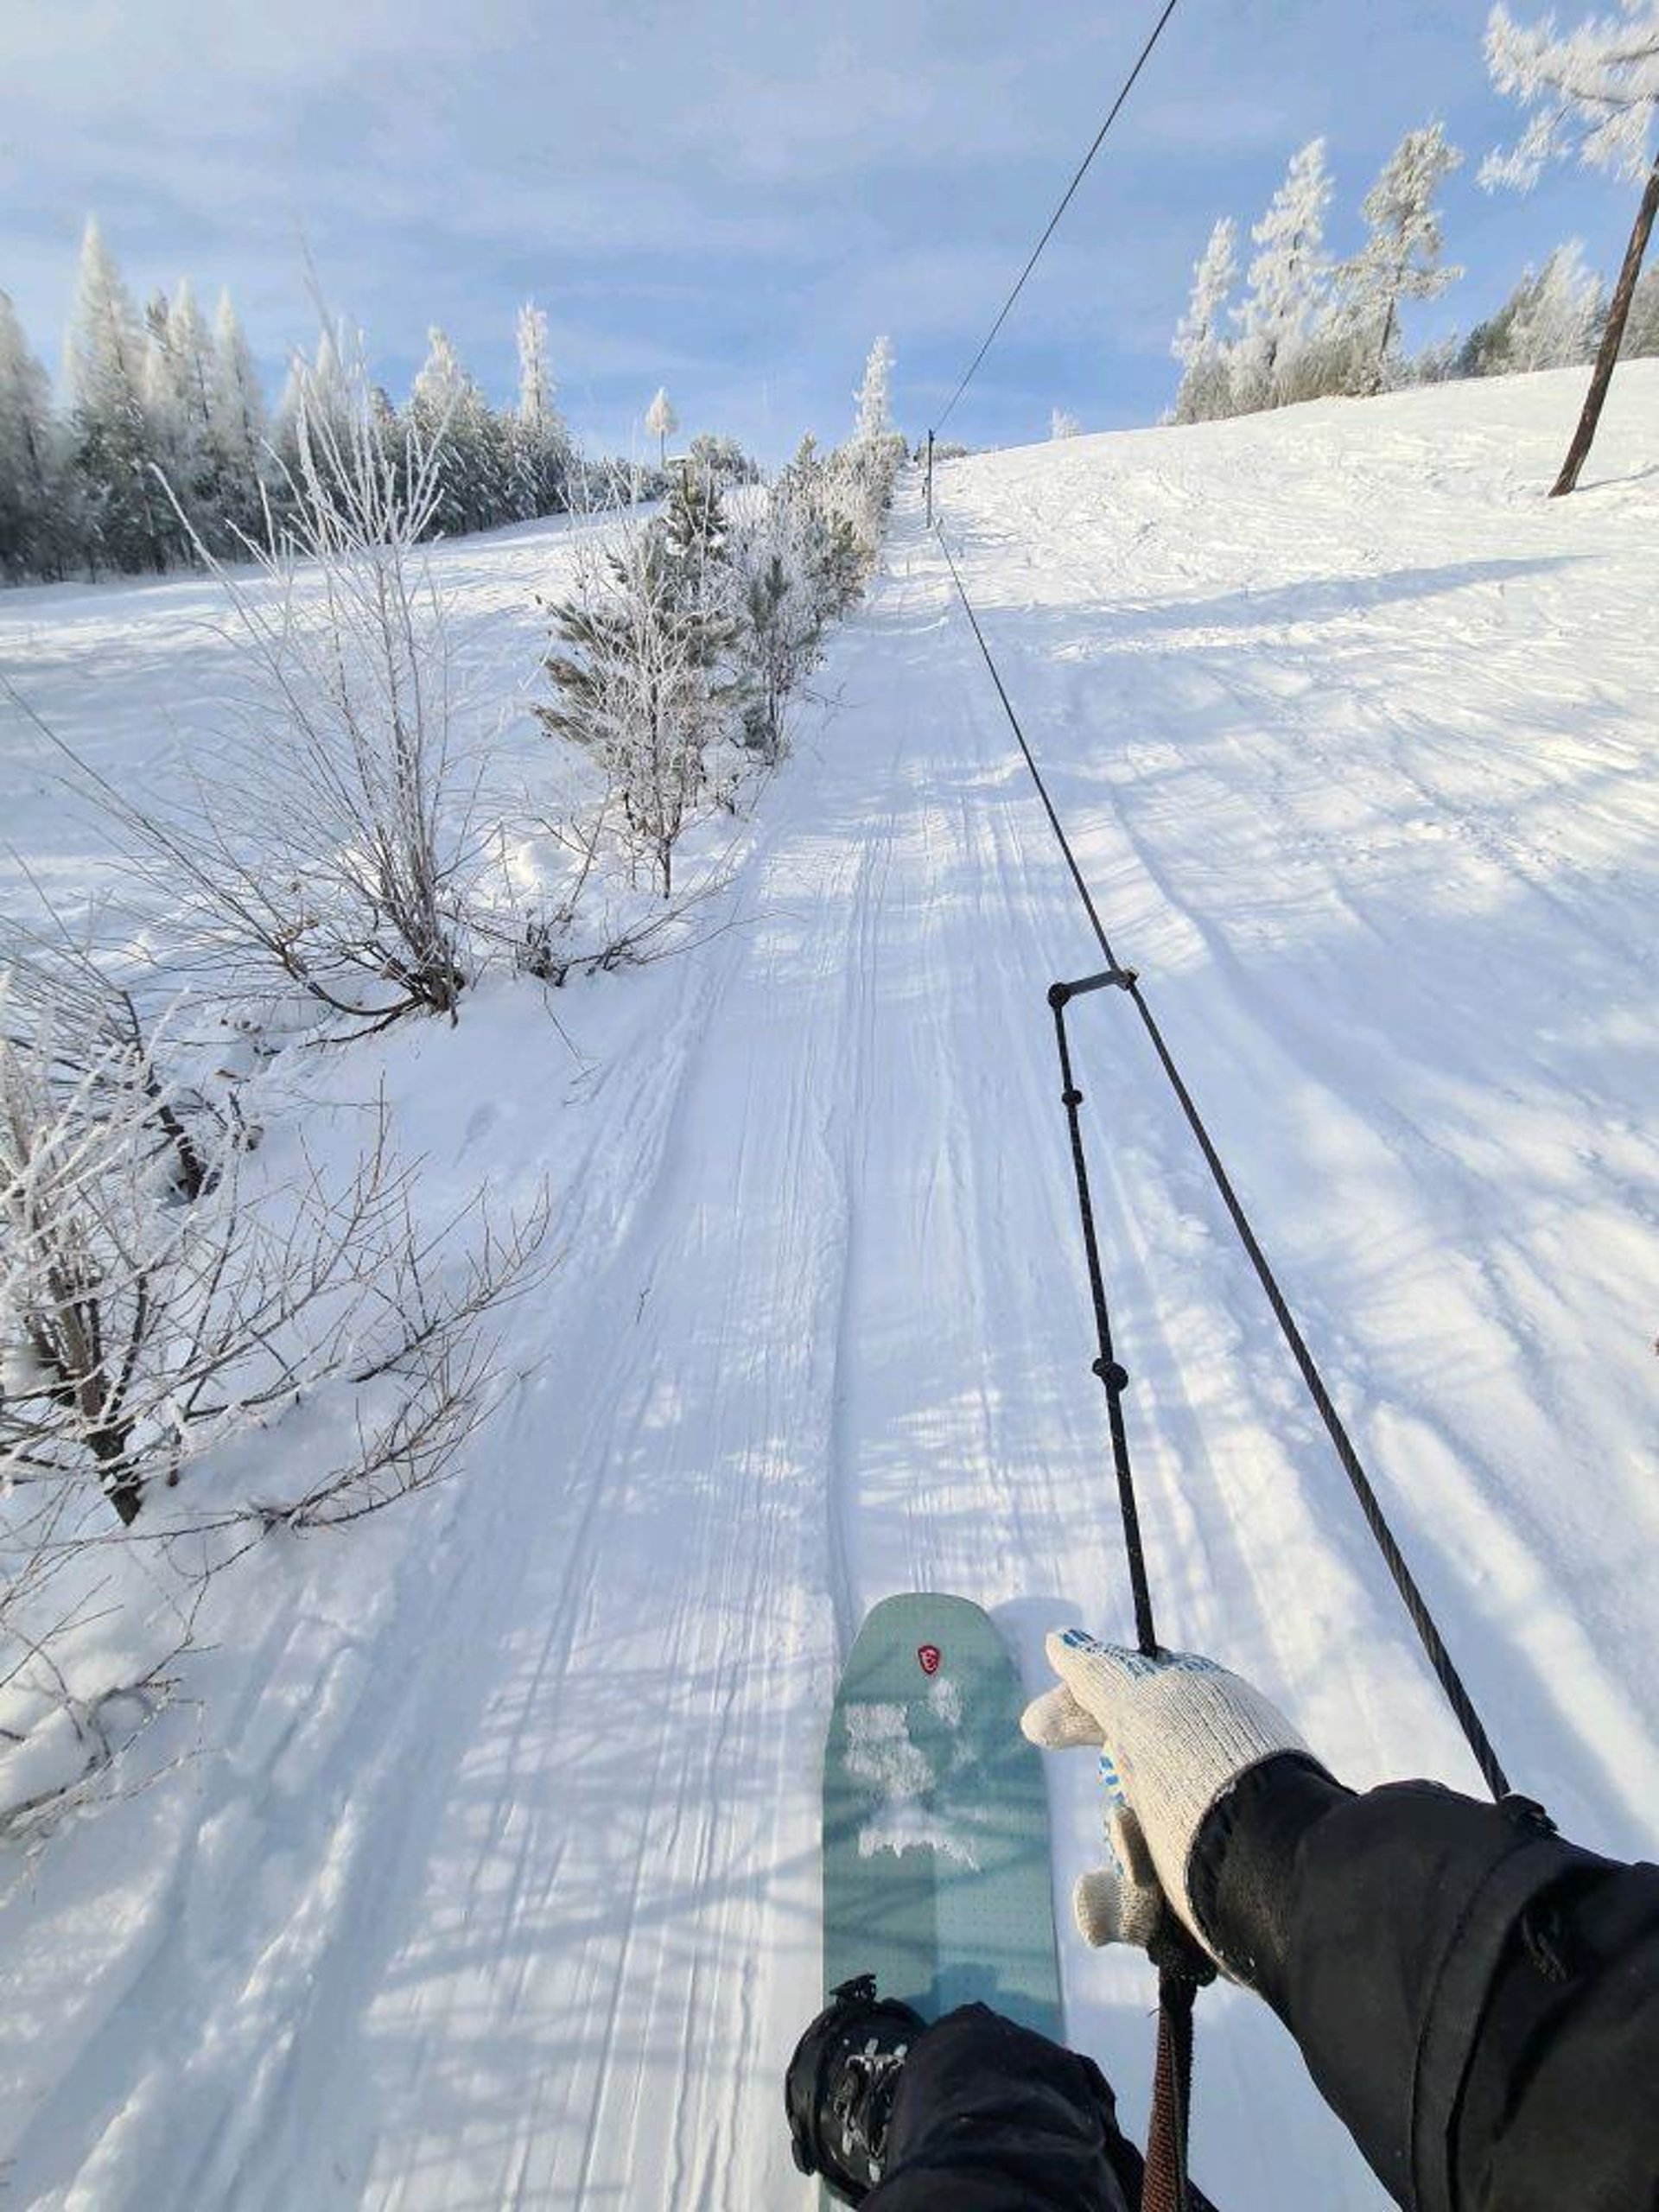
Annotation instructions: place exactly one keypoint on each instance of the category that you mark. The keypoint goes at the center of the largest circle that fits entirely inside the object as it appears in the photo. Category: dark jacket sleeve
(1478, 2000)
(990, 2117)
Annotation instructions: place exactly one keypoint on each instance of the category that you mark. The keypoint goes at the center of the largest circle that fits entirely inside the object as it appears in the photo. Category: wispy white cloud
(731, 195)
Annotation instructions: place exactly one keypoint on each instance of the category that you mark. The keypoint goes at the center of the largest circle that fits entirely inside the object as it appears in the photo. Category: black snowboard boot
(839, 2090)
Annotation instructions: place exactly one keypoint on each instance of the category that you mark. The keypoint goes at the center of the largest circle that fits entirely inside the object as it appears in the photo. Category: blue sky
(728, 198)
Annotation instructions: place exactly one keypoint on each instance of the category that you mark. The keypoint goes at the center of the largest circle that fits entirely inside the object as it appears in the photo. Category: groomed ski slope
(494, 1883)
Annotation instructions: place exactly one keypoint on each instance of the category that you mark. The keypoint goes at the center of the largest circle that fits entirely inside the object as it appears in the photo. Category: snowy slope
(492, 1880)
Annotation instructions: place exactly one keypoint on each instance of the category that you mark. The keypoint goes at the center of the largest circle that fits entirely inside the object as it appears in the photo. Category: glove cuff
(1192, 1733)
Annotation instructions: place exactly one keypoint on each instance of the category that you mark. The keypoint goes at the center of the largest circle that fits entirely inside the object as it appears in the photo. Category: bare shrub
(325, 840)
(143, 1325)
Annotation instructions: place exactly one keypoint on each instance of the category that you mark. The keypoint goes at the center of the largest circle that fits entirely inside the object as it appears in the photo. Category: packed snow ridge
(478, 1861)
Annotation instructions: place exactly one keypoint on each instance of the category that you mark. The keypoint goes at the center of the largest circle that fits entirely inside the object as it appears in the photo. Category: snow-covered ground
(491, 1879)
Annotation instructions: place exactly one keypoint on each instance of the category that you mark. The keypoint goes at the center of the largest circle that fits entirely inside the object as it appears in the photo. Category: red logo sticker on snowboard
(928, 1656)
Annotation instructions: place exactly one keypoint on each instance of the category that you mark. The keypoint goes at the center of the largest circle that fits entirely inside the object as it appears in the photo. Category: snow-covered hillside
(487, 1875)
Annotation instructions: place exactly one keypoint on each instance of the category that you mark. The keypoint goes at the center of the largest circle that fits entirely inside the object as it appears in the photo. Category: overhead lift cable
(1053, 221)
(1127, 979)
(1180, 1971)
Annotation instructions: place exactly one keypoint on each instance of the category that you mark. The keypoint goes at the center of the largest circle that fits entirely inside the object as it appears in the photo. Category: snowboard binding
(839, 2090)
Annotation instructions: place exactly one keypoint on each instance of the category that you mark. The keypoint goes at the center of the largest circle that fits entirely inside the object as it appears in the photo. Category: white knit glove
(1174, 1733)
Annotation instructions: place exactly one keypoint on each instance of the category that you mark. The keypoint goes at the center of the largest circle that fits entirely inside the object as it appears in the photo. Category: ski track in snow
(495, 1883)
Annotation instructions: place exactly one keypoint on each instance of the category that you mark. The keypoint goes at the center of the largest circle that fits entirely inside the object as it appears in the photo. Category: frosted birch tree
(1288, 279)
(1593, 93)
(661, 422)
(1401, 257)
(1206, 381)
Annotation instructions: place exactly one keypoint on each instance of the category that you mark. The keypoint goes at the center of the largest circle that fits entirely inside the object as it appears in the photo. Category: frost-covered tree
(1401, 257)
(317, 412)
(236, 429)
(643, 680)
(1205, 356)
(1642, 330)
(33, 538)
(1553, 323)
(1593, 93)
(723, 460)
(452, 419)
(190, 350)
(539, 443)
(127, 518)
(178, 397)
(783, 559)
(661, 422)
(434, 404)
(1288, 279)
(1063, 424)
(694, 523)
(875, 393)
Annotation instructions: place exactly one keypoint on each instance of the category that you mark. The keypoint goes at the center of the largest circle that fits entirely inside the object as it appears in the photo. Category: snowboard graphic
(936, 1860)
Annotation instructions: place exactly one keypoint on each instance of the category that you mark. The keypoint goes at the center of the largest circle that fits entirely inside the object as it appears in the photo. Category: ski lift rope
(1053, 221)
(1106, 1367)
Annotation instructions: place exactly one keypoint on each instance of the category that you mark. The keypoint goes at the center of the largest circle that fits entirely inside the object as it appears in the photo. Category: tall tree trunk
(1380, 366)
(1612, 337)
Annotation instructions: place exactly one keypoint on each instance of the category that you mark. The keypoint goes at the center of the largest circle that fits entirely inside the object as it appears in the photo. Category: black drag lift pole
(1113, 1376)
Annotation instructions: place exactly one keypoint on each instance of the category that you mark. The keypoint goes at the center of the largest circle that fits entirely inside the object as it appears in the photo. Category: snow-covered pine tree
(315, 416)
(538, 442)
(643, 680)
(1289, 282)
(34, 540)
(450, 417)
(874, 394)
(1206, 388)
(285, 423)
(434, 409)
(178, 388)
(838, 557)
(778, 554)
(694, 524)
(1063, 424)
(1594, 93)
(1401, 257)
(724, 459)
(157, 387)
(113, 450)
(661, 422)
(237, 432)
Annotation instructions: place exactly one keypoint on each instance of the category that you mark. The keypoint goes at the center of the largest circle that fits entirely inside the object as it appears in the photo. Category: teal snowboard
(936, 1859)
